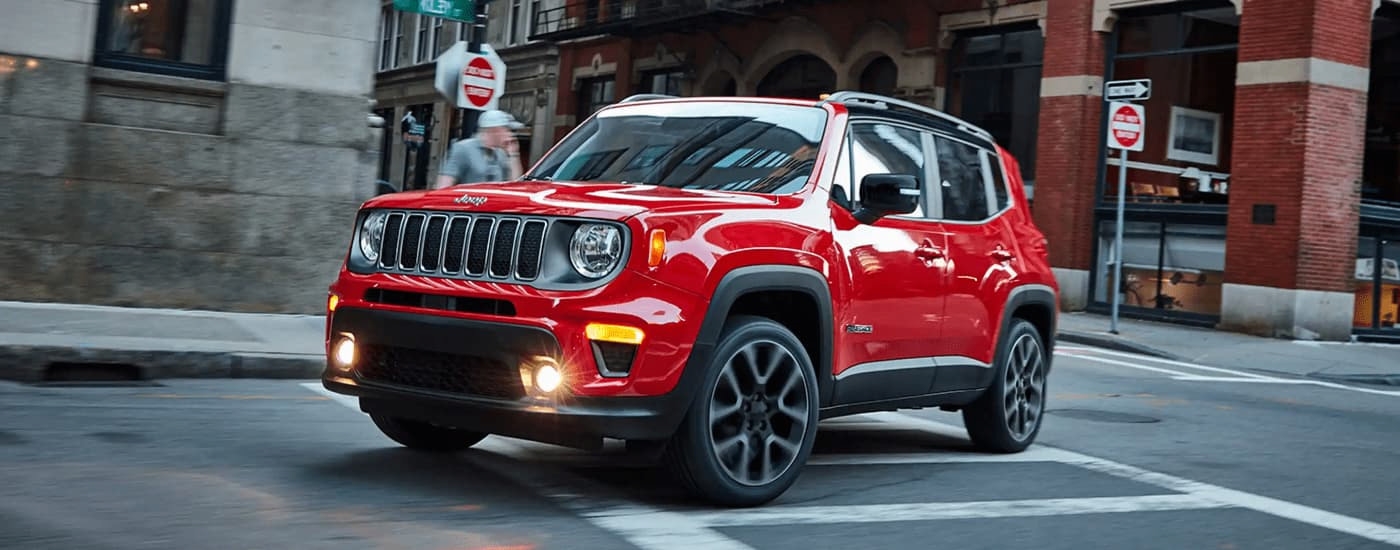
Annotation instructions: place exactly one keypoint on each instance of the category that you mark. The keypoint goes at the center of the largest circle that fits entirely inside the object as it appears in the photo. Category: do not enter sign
(479, 82)
(1126, 125)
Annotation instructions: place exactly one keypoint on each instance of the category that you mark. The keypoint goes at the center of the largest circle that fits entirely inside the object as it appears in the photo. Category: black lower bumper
(451, 393)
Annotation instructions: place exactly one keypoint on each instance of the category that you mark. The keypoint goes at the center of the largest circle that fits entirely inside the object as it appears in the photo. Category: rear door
(973, 201)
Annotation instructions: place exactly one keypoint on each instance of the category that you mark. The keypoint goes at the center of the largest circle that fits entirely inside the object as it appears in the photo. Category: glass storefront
(1177, 189)
(994, 82)
(1377, 277)
(1167, 267)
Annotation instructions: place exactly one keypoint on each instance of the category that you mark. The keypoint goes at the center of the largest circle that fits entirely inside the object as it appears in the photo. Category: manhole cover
(1104, 416)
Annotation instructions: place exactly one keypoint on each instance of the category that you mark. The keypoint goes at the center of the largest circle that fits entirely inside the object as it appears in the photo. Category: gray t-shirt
(469, 162)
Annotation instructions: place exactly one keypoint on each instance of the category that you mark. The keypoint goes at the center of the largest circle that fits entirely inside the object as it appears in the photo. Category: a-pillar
(1300, 111)
(1067, 144)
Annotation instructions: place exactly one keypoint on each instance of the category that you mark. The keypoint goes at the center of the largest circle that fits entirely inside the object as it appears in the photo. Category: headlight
(595, 249)
(372, 235)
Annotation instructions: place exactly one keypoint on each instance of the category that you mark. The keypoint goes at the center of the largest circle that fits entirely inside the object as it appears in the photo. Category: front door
(894, 273)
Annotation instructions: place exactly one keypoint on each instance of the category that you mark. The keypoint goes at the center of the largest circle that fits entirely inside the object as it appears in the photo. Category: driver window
(879, 148)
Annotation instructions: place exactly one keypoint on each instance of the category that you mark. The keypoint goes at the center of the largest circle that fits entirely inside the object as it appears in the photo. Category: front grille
(437, 371)
(472, 246)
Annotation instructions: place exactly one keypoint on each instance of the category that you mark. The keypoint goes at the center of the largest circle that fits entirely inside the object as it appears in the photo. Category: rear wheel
(751, 428)
(423, 436)
(1007, 417)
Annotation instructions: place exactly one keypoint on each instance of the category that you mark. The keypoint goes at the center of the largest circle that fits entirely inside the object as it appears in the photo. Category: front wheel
(751, 428)
(422, 436)
(1007, 417)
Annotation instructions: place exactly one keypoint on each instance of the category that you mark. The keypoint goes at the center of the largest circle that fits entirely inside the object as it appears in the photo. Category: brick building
(1267, 199)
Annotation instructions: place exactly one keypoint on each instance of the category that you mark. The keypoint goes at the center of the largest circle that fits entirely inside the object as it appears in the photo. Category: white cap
(495, 118)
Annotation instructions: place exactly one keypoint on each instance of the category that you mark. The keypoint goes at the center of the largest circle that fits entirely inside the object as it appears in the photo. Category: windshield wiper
(531, 177)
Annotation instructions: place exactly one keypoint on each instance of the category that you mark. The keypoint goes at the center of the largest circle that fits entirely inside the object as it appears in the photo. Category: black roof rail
(885, 102)
(646, 97)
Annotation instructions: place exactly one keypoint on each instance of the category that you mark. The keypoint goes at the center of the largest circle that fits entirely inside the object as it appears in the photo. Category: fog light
(344, 353)
(548, 378)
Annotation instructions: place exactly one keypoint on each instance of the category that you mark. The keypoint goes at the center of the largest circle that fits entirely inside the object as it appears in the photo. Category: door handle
(1001, 255)
(928, 253)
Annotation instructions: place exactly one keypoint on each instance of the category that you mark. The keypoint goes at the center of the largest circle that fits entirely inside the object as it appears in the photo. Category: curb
(1109, 341)
(31, 363)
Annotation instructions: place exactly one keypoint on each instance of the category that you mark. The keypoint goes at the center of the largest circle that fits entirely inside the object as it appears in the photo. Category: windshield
(731, 146)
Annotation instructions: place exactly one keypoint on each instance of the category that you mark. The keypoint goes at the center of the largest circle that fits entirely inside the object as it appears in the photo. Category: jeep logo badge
(468, 199)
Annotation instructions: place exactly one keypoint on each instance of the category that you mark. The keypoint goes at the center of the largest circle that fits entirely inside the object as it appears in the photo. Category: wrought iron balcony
(579, 18)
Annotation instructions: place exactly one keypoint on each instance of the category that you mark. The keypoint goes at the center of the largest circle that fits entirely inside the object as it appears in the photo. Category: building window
(515, 23)
(1168, 268)
(438, 45)
(399, 19)
(176, 37)
(1190, 57)
(594, 93)
(534, 18)
(388, 28)
(422, 41)
(665, 81)
(1380, 182)
(995, 84)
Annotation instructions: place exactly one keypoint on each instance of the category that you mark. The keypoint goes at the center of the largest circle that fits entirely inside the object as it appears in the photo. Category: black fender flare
(1030, 294)
(758, 278)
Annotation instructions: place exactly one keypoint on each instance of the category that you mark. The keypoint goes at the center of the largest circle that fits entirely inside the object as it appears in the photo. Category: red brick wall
(1067, 144)
(1298, 146)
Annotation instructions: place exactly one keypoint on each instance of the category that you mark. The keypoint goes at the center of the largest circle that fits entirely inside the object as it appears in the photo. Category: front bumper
(465, 373)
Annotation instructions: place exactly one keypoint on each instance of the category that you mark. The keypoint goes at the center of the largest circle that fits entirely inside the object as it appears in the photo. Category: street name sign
(1128, 90)
(458, 10)
(1125, 126)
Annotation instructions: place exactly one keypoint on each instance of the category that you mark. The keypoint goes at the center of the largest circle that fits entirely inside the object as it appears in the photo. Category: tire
(989, 423)
(421, 436)
(782, 414)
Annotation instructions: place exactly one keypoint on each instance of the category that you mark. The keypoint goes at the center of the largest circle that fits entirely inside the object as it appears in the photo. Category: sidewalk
(1335, 361)
(156, 343)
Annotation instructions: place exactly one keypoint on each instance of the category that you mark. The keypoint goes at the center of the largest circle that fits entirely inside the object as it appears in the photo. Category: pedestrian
(493, 154)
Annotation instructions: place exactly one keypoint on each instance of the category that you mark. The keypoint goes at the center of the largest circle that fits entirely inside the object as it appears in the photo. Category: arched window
(804, 76)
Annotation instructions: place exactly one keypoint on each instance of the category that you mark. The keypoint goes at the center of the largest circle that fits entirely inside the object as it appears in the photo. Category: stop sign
(1125, 126)
(479, 82)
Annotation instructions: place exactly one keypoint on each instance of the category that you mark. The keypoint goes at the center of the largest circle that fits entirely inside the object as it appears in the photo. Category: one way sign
(1128, 90)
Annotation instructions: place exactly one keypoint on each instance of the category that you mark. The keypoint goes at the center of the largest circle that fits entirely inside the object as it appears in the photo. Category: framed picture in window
(1195, 136)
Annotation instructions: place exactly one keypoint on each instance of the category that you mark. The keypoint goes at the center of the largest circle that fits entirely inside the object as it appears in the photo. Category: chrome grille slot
(480, 246)
(393, 228)
(465, 246)
(530, 251)
(432, 243)
(456, 245)
(503, 248)
(412, 242)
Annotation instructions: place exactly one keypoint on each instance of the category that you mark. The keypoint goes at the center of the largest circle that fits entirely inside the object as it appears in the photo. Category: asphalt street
(1137, 453)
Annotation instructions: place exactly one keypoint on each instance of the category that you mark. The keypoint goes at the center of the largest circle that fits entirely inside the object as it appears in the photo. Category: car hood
(612, 201)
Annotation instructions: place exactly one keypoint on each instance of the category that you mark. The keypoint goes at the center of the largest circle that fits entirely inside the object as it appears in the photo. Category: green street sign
(460, 10)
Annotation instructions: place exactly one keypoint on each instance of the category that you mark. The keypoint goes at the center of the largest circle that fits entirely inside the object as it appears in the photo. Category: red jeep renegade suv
(711, 277)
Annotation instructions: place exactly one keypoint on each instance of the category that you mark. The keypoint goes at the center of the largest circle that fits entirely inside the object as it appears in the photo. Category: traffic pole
(470, 116)
(1118, 242)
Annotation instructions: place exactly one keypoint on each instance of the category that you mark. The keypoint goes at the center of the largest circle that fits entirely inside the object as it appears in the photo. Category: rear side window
(963, 186)
(998, 181)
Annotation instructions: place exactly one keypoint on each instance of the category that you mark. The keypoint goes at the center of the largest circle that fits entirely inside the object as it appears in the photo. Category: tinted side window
(879, 148)
(963, 187)
(998, 182)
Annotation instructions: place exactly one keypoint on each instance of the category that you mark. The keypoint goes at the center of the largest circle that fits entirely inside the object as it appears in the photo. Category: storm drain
(90, 374)
(1104, 416)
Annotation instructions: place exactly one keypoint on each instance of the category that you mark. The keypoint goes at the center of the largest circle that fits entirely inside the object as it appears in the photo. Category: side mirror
(885, 194)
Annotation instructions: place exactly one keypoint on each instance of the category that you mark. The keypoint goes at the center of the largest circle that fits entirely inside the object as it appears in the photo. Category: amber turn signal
(658, 247)
(614, 333)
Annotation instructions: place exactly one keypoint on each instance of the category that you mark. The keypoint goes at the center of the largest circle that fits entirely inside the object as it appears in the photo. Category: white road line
(932, 511)
(643, 526)
(1172, 362)
(1271, 506)
(1037, 454)
(1241, 377)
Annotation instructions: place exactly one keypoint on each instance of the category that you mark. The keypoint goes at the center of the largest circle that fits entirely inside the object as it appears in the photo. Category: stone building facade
(203, 154)
(1267, 199)
(408, 48)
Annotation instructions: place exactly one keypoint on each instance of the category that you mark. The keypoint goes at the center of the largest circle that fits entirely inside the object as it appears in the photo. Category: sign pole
(1127, 122)
(1118, 241)
(470, 116)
